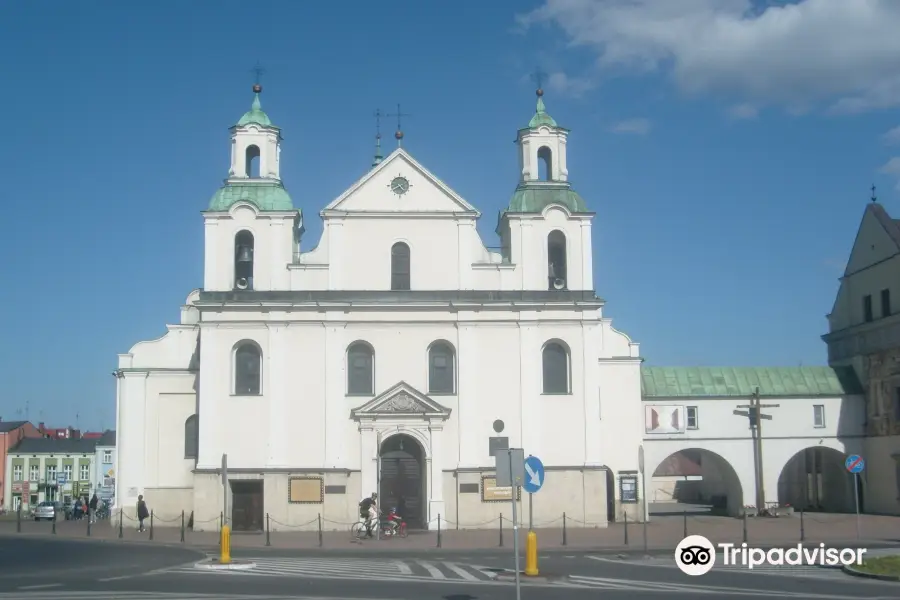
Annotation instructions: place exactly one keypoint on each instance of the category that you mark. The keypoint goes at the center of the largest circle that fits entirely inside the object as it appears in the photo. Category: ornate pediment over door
(402, 401)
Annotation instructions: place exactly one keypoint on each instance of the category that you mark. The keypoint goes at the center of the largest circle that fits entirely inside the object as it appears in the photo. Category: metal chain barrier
(660, 531)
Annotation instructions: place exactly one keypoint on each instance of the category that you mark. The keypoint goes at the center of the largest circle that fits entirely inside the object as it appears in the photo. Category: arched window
(441, 368)
(191, 436)
(556, 260)
(399, 266)
(243, 260)
(360, 369)
(247, 369)
(252, 161)
(545, 163)
(555, 361)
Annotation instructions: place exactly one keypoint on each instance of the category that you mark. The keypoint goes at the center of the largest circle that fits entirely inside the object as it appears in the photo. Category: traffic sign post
(644, 502)
(534, 481)
(855, 464)
(225, 533)
(510, 471)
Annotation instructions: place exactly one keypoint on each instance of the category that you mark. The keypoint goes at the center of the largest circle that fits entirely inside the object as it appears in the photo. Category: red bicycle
(393, 525)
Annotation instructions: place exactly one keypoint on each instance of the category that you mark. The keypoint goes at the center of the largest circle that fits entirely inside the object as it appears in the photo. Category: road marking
(432, 570)
(673, 588)
(796, 571)
(42, 586)
(321, 567)
(120, 577)
(403, 568)
(462, 573)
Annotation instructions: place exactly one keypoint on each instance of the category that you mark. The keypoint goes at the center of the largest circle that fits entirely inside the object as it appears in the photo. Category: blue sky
(726, 149)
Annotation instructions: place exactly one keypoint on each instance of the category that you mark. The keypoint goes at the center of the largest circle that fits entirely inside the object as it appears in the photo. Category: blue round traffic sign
(855, 463)
(534, 474)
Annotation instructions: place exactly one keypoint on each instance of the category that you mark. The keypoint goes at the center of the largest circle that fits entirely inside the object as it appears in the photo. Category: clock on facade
(399, 185)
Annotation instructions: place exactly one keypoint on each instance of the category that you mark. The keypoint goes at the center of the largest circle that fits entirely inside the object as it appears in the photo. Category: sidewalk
(662, 533)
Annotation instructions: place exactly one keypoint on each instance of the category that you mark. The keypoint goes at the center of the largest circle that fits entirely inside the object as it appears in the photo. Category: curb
(97, 540)
(391, 548)
(857, 573)
(509, 575)
(214, 565)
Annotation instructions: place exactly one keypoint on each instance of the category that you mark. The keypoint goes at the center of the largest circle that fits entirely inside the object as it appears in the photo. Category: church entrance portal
(402, 483)
(247, 505)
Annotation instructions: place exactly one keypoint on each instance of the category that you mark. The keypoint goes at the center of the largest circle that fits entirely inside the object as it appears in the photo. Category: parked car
(45, 510)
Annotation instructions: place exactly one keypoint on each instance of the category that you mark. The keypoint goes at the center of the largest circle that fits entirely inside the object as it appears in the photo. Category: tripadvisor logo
(696, 555)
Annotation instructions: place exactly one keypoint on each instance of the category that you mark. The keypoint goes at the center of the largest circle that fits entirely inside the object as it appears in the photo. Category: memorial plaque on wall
(306, 490)
(491, 492)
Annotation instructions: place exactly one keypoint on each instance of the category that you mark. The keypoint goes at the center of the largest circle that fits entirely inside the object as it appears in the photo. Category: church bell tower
(542, 148)
(255, 145)
(546, 228)
(252, 227)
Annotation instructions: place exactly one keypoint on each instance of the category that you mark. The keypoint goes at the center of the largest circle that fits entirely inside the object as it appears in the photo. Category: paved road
(37, 561)
(371, 569)
(103, 571)
(256, 588)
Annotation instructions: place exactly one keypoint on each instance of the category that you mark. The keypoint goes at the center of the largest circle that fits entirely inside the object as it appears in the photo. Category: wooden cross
(755, 416)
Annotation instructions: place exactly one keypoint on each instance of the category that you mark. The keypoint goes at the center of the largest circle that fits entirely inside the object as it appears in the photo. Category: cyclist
(368, 510)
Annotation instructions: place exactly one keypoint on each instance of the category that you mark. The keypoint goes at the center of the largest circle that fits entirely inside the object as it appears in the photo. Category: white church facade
(380, 358)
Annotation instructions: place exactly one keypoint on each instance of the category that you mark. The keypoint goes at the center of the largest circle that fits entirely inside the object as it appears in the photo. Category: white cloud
(743, 111)
(563, 84)
(892, 137)
(892, 168)
(632, 126)
(844, 54)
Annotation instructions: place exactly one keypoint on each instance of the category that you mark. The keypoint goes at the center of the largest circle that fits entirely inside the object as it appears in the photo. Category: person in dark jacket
(92, 505)
(142, 512)
(368, 510)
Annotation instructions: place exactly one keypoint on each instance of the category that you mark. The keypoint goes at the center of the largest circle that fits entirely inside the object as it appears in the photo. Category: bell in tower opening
(556, 260)
(243, 261)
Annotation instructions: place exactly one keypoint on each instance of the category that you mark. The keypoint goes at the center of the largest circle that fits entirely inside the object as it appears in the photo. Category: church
(386, 355)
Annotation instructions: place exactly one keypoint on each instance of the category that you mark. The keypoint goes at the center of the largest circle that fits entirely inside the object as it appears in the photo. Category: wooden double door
(247, 512)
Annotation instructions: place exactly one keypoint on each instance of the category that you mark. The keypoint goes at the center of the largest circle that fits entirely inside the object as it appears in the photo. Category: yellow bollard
(531, 567)
(225, 557)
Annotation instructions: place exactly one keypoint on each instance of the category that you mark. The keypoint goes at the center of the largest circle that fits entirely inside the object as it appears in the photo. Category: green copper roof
(541, 117)
(264, 196)
(741, 382)
(255, 114)
(533, 198)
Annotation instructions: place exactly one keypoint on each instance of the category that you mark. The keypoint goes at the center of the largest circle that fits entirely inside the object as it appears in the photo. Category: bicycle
(358, 530)
(387, 529)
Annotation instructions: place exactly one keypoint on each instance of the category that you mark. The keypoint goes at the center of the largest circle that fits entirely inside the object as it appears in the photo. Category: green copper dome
(255, 114)
(541, 116)
(264, 196)
(534, 198)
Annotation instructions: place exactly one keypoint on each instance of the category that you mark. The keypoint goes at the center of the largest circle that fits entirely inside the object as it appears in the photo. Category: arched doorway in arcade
(695, 480)
(816, 479)
(402, 479)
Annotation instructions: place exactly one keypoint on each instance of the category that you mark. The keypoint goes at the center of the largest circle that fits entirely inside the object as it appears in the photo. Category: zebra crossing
(129, 595)
(668, 589)
(813, 571)
(349, 568)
